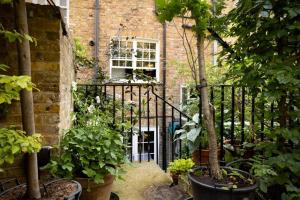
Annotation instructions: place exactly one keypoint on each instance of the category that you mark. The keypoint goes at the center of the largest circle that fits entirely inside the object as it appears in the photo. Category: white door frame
(135, 153)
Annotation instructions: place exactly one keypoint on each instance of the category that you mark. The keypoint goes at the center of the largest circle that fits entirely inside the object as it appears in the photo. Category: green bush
(181, 165)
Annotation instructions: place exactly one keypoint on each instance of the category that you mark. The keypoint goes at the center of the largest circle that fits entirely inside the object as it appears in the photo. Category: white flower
(74, 86)
(131, 103)
(91, 108)
(97, 99)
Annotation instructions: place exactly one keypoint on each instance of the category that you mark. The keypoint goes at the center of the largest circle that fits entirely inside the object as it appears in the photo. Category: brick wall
(139, 19)
(52, 71)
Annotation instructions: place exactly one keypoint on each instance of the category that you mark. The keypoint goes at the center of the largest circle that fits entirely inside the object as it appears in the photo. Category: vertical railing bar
(140, 125)
(272, 116)
(148, 123)
(262, 121)
(212, 102)
(95, 91)
(114, 104)
(172, 137)
(156, 125)
(123, 107)
(222, 121)
(86, 91)
(180, 144)
(253, 116)
(164, 138)
(105, 94)
(243, 116)
(131, 123)
(232, 114)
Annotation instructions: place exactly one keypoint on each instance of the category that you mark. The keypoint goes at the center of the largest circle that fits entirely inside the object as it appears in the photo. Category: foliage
(196, 9)
(14, 36)
(191, 135)
(265, 58)
(181, 166)
(14, 142)
(10, 87)
(279, 163)
(94, 146)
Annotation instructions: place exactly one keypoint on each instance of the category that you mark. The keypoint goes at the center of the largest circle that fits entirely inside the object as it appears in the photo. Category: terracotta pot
(175, 178)
(201, 157)
(97, 191)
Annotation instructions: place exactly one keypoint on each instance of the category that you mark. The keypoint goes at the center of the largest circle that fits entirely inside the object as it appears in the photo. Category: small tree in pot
(207, 183)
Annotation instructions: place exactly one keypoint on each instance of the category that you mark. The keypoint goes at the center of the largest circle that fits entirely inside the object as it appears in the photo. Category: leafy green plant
(279, 164)
(181, 166)
(94, 147)
(14, 142)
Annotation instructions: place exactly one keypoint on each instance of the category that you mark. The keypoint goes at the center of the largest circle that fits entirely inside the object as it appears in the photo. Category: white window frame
(134, 58)
(181, 95)
(135, 150)
(57, 3)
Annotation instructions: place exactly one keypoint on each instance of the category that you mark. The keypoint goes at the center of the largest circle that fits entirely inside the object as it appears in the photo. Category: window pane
(115, 63)
(122, 63)
(150, 73)
(129, 64)
(64, 12)
(152, 55)
(147, 46)
(139, 54)
(63, 3)
(118, 73)
(129, 45)
(139, 64)
(152, 64)
(122, 53)
(146, 55)
(146, 64)
(128, 53)
(140, 45)
(152, 46)
(123, 44)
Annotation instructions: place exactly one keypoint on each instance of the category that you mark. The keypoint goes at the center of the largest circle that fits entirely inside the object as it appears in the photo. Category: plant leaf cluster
(94, 147)
(181, 166)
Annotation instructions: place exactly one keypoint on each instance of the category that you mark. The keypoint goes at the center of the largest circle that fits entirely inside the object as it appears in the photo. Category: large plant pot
(93, 191)
(201, 157)
(203, 191)
(57, 191)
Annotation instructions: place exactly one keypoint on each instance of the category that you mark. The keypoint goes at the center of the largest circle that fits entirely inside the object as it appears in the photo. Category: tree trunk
(208, 118)
(33, 189)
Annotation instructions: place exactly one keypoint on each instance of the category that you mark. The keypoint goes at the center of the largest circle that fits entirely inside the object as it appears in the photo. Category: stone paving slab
(165, 192)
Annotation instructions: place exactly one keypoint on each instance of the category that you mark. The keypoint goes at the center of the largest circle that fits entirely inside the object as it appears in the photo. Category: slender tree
(33, 189)
(199, 12)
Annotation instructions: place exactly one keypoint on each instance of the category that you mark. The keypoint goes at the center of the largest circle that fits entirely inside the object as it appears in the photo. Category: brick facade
(52, 72)
(132, 18)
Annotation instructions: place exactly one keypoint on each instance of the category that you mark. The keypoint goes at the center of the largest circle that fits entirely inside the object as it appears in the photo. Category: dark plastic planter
(202, 191)
(74, 196)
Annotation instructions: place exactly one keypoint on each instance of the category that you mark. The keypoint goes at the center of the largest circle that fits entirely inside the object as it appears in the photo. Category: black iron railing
(144, 113)
(239, 115)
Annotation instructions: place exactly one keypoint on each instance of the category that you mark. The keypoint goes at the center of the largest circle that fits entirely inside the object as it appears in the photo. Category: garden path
(146, 181)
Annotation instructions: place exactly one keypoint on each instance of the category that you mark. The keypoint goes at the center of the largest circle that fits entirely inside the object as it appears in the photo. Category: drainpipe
(164, 68)
(96, 50)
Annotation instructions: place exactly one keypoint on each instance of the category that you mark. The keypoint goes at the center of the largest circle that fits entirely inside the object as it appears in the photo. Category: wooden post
(33, 189)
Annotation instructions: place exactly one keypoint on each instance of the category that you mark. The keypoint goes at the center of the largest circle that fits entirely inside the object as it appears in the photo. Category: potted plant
(92, 150)
(178, 167)
(193, 138)
(211, 182)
